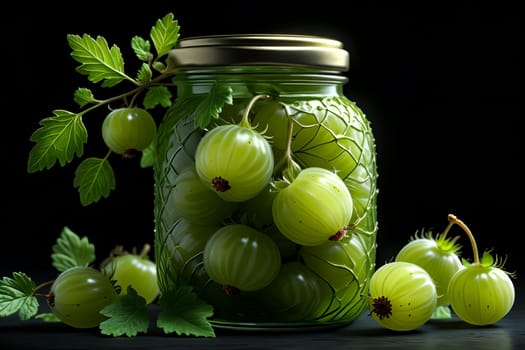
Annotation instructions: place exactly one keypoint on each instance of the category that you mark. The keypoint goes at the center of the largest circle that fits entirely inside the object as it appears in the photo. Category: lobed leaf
(83, 96)
(70, 250)
(159, 66)
(16, 295)
(59, 138)
(211, 106)
(128, 316)
(94, 179)
(184, 313)
(97, 60)
(157, 95)
(142, 48)
(144, 74)
(165, 34)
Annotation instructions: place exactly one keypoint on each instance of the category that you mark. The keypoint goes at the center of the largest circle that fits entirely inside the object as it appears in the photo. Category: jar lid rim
(272, 39)
(260, 49)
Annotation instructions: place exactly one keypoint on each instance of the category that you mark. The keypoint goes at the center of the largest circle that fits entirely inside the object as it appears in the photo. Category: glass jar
(288, 88)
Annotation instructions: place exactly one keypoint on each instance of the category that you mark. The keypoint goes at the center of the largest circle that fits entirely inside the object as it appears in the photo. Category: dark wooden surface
(363, 333)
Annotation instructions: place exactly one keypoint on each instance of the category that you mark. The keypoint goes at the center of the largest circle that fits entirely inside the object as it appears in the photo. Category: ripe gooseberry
(482, 293)
(241, 258)
(128, 130)
(402, 296)
(313, 208)
(135, 270)
(235, 160)
(78, 295)
(437, 255)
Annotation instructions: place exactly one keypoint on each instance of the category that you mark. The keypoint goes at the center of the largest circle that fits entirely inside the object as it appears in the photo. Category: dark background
(441, 85)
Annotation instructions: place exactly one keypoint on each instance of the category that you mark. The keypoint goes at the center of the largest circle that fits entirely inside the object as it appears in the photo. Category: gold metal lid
(261, 49)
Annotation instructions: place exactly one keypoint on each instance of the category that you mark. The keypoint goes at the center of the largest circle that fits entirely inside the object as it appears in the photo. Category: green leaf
(487, 259)
(70, 250)
(441, 313)
(212, 105)
(157, 95)
(16, 295)
(94, 179)
(83, 96)
(148, 156)
(59, 138)
(184, 313)
(127, 316)
(48, 317)
(142, 48)
(159, 66)
(165, 34)
(98, 61)
(144, 74)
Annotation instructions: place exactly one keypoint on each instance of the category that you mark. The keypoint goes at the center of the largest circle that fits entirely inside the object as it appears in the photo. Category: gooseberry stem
(245, 121)
(133, 93)
(145, 250)
(42, 285)
(292, 168)
(454, 220)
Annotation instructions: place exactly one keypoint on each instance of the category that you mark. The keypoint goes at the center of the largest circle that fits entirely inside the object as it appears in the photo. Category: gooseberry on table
(481, 293)
(78, 294)
(402, 296)
(438, 255)
(134, 270)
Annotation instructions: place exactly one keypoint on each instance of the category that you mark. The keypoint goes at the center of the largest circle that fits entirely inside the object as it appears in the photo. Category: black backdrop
(441, 85)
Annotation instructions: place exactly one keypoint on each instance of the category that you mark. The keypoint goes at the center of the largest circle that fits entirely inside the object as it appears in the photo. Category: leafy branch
(62, 136)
